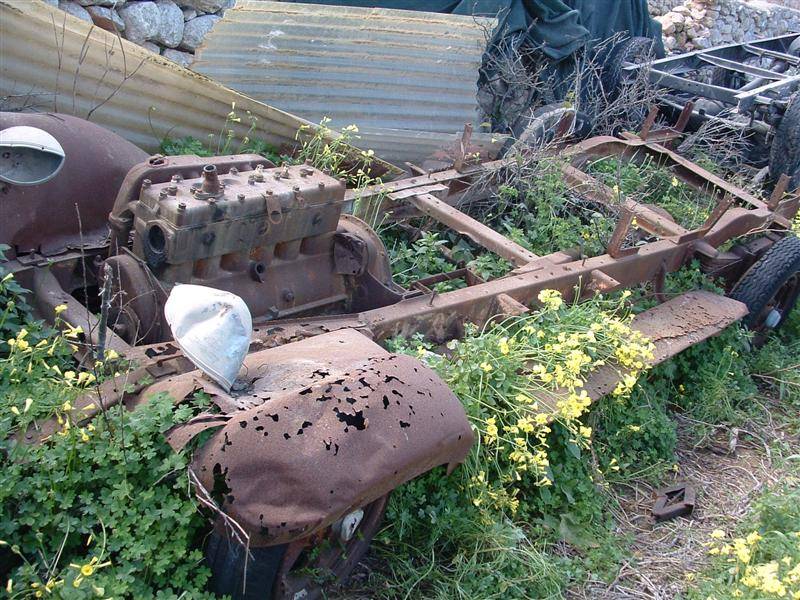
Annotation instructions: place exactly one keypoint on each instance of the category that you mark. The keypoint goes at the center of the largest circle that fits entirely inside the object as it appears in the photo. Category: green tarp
(557, 28)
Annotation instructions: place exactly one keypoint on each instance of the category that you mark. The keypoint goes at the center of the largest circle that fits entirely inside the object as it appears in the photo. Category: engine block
(274, 236)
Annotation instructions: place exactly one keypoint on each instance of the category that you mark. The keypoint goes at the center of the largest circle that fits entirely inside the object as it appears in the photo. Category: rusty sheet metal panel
(377, 68)
(325, 426)
(53, 61)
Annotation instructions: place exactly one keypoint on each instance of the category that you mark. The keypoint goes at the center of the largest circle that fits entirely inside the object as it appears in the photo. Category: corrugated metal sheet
(401, 145)
(377, 68)
(52, 61)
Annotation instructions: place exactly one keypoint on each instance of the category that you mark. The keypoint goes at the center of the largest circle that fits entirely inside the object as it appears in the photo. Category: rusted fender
(303, 458)
(44, 217)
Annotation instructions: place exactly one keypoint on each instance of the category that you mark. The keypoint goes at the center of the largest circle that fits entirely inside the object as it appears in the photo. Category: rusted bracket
(473, 229)
(648, 122)
(620, 232)
(674, 501)
(463, 146)
(682, 122)
(601, 282)
(720, 209)
(780, 189)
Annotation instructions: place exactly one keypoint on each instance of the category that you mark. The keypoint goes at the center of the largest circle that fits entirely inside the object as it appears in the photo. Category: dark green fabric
(555, 27)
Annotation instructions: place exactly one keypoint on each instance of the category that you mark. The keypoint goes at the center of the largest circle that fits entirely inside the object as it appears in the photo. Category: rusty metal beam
(475, 230)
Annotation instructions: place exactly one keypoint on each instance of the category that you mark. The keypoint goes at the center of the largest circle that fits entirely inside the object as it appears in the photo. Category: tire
(771, 284)
(784, 155)
(226, 558)
(632, 50)
(540, 127)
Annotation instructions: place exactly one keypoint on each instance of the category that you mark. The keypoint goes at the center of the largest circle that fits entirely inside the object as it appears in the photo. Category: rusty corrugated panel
(51, 61)
(380, 69)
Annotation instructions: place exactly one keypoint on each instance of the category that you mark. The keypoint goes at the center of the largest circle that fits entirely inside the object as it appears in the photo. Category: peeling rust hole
(305, 391)
(350, 400)
(260, 428)
(403, 424)
(385, 402)
(397, 393)
(286, 436)
(357, 420)
(243, 424)
(306, 424)
(274, 417)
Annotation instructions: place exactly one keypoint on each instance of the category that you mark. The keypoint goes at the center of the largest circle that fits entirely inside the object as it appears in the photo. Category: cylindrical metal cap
(29, 156)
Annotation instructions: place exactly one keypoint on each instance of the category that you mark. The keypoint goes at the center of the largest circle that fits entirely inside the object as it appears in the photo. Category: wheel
(633, 50)
(232, 575)
(540, 128)
(606, 80)
(770, 288)
(298, 569)
(784, 155)
(332, 557)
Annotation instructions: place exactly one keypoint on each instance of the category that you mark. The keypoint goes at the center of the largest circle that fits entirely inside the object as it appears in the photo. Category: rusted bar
(648, 122)
(683, 119)
(777, 193)
(716, 214)
(463, 146)
(620, 232)
(475, 230)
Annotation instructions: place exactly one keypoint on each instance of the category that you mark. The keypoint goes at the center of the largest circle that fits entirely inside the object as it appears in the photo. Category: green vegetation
(650, 183)
(98, 509)
(761, 559)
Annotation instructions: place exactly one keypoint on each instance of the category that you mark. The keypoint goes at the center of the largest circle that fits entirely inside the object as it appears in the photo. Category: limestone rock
(189, 14)
(76, 10)
(195, 30)
(105, 3)
(106, 18)
(207, 6)
(154, 48)
(142, 21)
(184, 59)
(170, 32)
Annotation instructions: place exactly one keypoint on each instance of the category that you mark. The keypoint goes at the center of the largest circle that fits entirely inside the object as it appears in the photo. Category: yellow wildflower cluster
(771, 579)
(531, 371)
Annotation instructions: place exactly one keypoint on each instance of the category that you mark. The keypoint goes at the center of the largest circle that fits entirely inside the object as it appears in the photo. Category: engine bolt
(233, 171)
(288, 295)
(181, 206)
(172, 190)
(321, 185)
(146, 183)
(240, 197)
(296, 188)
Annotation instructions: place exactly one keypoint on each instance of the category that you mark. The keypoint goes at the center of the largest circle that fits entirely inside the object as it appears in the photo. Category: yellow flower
(28, 403)
(486, 366)
(111, 355)
(551, 299)
(87, 569)
(585, 431)
(69, 375)
(753, 537)
(60, 308)
(717, 534)
(503, 345)
(15, 410)
(674, 182)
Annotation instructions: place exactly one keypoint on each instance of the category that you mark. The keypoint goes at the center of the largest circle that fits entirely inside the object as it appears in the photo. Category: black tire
(784, 155)
(539, 128)
(632, 50)
(226, 558)
(772, 283)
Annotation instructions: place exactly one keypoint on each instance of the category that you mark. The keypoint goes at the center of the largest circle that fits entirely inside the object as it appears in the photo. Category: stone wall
(695, 24)
(173, 28)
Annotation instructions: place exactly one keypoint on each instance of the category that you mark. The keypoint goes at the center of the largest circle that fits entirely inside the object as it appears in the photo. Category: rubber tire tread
(762, 280)
(625, 51)
(784, 155)
(225, 557)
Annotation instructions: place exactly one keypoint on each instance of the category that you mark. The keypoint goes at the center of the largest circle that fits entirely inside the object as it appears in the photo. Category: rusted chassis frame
(440, 316)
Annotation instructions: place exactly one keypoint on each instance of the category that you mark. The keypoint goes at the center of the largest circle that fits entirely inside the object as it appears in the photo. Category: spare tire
(633, 50)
